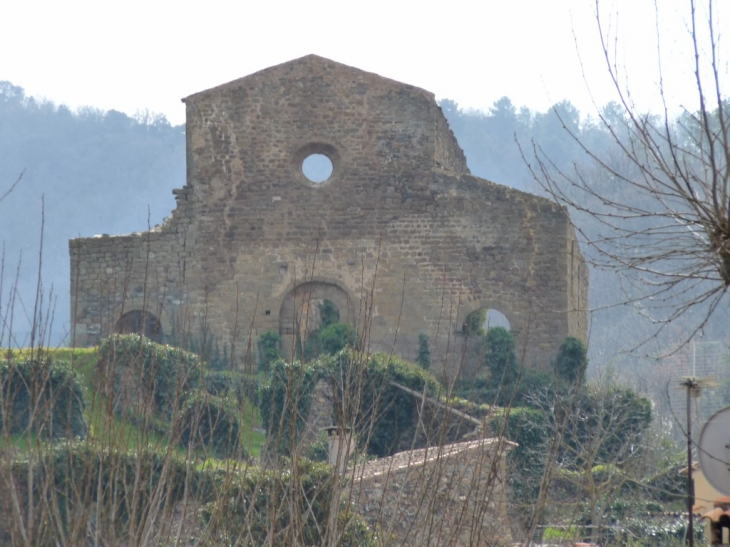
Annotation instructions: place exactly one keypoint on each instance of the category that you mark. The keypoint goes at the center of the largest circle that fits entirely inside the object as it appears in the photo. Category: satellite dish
(714, 451)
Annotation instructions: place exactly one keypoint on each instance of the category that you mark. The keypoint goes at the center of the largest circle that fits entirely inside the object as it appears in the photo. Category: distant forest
(96, 172)
(105, 172)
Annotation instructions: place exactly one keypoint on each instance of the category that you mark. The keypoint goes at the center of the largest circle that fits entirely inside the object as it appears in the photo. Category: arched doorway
(140, 322)
(475, 328)
(306, 307)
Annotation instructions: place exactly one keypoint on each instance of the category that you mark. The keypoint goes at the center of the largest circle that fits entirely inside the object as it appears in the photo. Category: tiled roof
(412, 458)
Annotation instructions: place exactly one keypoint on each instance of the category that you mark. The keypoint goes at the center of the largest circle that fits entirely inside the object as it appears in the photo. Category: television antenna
(694, 386)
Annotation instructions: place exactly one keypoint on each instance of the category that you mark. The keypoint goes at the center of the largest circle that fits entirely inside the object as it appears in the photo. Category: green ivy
(335, 337)
(474, 324)
(328, 313)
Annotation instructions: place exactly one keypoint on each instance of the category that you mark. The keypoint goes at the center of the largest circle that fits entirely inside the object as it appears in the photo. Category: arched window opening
(480, 321)
(140, 322)
(495, 318)
(489, 354)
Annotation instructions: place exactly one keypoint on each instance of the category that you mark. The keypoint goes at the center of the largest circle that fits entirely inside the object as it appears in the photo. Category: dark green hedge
(530, 429)
(285, 398)
(210, 422)
(250, 508)
(519, 391)
(237, 505)
(160, 374)
(384, 416)
(43, 395)
(233, 384)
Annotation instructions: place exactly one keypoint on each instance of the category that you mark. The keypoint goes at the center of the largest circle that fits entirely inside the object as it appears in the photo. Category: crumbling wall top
(261, 127)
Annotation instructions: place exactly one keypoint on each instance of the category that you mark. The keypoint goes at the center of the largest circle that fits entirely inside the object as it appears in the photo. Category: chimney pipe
(341, 446)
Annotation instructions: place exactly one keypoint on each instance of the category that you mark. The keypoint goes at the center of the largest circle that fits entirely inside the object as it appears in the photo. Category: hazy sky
(148, 54)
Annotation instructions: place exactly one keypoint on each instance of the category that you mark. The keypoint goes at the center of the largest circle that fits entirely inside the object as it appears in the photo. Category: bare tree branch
(655, 205)
(12, 186)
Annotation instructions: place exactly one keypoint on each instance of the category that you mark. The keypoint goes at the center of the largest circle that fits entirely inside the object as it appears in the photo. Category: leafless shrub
(655, 206)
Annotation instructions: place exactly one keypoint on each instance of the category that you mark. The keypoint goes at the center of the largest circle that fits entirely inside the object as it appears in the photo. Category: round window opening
(317, 168)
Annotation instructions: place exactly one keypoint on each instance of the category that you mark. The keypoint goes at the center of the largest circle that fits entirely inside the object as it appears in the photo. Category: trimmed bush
(225, 384)
(384, 416)
(210, 422)
(238, 385)
(285, 398)
(144, 376)
(42, 396)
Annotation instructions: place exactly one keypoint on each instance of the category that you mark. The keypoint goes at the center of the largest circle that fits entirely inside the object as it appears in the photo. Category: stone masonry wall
(451, 496)
(403, 236)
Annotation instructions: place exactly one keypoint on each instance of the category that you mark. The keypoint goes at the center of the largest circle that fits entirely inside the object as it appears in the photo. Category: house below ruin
(451, 495)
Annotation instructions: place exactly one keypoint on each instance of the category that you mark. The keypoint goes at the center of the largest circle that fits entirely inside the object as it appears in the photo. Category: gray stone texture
(401, 236)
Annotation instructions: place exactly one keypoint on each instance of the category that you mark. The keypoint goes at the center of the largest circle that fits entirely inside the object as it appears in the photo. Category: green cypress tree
(423, 359)
(572, 360)
(500, 356)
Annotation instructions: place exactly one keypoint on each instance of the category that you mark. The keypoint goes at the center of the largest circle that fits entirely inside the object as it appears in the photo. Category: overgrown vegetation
(134, 495)
(592, 430)
(329, 337)
(383, 416)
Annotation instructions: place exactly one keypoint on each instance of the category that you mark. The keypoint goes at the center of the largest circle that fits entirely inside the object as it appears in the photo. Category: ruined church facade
(398, 234)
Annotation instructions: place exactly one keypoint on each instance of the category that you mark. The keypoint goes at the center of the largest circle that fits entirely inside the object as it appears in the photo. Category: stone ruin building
(393, 229)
